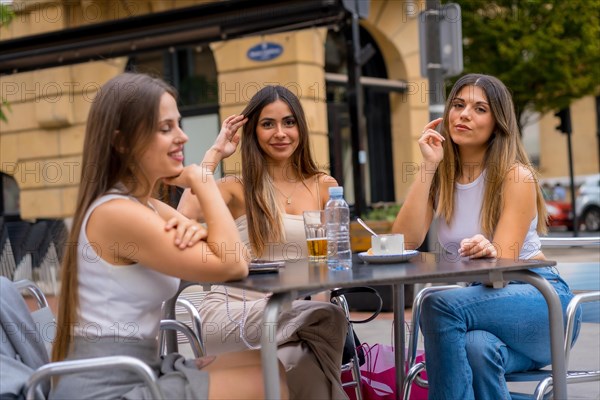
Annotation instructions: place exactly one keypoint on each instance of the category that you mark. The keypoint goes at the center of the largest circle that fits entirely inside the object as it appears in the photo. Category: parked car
(587, 204)
(560, 213)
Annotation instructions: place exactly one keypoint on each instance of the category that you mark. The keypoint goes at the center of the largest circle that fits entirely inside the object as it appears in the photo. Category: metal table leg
(268, 343)
(399, 336)
(557, 334)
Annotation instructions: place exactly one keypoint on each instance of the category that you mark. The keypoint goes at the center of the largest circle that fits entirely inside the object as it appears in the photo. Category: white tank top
(468, 199)
(294, 247)
(121, 301)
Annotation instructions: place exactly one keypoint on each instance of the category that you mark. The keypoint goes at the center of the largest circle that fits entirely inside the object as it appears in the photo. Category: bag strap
(360, 289)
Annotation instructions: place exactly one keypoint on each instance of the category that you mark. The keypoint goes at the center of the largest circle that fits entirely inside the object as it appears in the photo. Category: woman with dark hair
(478, 183)
(125, 264)
(279, 181)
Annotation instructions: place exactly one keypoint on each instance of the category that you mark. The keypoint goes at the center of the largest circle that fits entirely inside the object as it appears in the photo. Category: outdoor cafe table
(300, 278)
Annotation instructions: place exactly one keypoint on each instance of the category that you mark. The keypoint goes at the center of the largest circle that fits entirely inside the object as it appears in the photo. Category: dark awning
(221, 20)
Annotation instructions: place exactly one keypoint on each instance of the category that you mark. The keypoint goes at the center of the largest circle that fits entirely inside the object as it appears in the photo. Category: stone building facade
(41, 143)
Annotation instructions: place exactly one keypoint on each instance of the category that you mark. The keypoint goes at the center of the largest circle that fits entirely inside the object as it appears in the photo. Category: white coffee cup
(392, 243)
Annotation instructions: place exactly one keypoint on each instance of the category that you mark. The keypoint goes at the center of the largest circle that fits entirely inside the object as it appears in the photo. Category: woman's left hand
(477, 246)
(188, 232)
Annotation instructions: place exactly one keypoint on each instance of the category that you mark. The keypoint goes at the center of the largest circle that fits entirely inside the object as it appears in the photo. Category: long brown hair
(503, 153)
(121, 123)
(263, 212)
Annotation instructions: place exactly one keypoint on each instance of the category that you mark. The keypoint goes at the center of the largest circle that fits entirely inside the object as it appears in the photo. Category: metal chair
(44, 372)
(414, 368)
(183, 308)
(354, 364)
(542, 390)
(192, 336)
(543, 376)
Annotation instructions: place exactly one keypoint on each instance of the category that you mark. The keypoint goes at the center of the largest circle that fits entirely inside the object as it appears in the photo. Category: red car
(560, 213)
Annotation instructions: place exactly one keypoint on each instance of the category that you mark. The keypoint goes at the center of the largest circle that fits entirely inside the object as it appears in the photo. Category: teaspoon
(362, 223)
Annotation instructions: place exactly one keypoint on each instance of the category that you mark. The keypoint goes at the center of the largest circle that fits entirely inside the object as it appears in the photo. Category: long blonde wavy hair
(503, 153)
(122, 121)
(263, 212)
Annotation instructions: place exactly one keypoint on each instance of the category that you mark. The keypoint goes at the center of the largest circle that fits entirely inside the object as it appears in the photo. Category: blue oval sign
(265, 51)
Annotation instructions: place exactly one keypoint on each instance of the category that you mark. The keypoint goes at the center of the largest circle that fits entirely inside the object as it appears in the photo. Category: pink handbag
(378, 375)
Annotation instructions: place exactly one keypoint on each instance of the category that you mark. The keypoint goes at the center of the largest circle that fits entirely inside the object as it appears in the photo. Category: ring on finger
(194, 228)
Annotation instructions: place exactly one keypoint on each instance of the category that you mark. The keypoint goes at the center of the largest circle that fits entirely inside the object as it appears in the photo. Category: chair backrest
(36, 243)
(7, 257)
(17, 232)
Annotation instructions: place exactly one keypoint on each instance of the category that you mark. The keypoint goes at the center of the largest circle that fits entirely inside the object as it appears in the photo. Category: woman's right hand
(431, 142)
(226, 142)
(228, 139)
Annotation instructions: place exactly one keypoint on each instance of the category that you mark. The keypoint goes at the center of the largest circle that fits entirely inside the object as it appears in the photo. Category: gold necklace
(288, 199)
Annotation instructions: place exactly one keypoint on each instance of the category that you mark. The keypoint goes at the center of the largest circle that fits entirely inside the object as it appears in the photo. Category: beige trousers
(310, 339)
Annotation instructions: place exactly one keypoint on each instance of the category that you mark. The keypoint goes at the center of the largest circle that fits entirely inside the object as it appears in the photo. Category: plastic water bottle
(337, 217)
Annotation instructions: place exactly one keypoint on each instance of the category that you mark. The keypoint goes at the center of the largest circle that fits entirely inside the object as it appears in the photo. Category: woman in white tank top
(279, 181)
(126, 264)
(477, 181)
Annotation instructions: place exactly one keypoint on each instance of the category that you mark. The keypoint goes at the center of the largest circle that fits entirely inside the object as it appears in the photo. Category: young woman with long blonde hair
(476, 179)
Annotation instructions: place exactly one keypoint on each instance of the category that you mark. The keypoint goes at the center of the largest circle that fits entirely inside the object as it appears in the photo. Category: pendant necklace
(288, 199)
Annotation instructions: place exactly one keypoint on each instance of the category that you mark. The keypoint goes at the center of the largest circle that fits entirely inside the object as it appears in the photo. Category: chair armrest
(584, 241)
(416, 315)
(91, 364)
(195, 320)
(171, 324)
(576, 301)
(35, 291)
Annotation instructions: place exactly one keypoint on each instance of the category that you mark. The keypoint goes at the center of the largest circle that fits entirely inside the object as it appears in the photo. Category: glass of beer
(316, 234)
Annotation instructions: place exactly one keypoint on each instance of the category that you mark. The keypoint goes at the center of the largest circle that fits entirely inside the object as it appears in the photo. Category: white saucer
(387, 258)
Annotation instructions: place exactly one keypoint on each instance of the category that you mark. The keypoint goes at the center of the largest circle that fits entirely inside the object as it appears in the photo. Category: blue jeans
(475, 335)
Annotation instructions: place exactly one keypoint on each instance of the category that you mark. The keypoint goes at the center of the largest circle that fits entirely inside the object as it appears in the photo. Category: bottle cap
(336, 191)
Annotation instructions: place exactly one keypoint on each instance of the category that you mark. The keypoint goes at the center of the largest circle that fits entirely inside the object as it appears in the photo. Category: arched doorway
(379, 185)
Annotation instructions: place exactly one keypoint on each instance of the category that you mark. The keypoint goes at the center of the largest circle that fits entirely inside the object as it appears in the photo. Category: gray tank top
(465, 223)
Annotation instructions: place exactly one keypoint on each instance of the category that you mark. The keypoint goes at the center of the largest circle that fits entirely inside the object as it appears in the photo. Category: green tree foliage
(546, 51)
(6, 15)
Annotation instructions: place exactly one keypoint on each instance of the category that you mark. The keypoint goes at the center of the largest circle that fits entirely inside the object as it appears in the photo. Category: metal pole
(356, 109)
(1, 194)
(434, 76)
(434, 59)
(399, 337)
(598, 128)
(572, 185)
